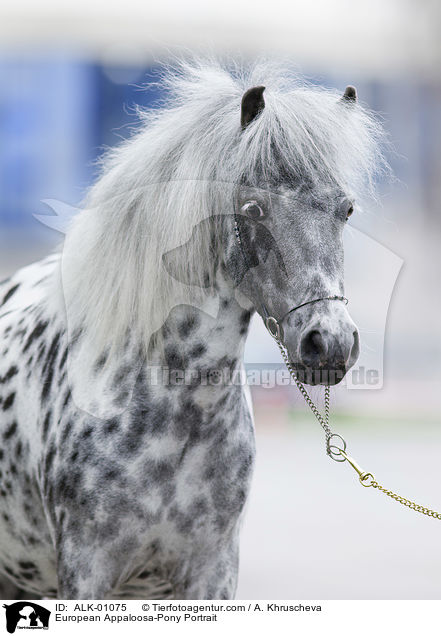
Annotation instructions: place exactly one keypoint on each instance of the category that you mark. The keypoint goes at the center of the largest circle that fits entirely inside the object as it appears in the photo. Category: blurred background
(70, 75)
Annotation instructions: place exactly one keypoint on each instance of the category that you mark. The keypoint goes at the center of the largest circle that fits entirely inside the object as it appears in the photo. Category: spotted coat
(146, 504)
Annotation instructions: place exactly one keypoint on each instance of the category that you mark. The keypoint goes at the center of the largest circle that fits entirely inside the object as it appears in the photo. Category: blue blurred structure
(55, 117)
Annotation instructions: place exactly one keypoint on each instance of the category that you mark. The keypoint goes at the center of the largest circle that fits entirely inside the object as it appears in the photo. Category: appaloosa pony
(127, 450)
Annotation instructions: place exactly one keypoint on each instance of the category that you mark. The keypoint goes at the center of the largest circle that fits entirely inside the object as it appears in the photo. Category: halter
(273, 325)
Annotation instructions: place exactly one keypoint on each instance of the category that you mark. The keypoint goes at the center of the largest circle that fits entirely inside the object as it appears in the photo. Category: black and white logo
(26, 615)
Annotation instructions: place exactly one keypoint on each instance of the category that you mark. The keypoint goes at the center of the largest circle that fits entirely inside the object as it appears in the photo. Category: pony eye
(253, 210)
(346, 209)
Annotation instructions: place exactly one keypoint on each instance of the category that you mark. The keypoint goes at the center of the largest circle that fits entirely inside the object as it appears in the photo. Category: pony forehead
(292, 187)
(314, 194)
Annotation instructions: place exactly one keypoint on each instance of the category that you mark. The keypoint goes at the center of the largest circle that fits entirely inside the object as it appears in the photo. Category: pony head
(290, 211)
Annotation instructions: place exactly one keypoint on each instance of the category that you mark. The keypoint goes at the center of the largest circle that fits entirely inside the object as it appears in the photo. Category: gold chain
(334, 451)
(406, 502)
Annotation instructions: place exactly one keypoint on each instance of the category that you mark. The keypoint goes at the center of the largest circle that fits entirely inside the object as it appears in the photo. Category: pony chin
(315, 377)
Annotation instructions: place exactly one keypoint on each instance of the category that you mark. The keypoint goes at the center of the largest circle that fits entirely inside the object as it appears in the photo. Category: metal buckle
(274, 328)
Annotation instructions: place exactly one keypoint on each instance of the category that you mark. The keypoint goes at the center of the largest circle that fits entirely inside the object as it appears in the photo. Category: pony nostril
(313, 349)
(355, 351)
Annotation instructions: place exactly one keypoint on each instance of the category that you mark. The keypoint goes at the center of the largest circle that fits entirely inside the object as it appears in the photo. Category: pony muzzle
(327, 356)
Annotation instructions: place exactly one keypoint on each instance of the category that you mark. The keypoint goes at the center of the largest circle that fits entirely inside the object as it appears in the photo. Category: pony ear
(350, 95)
(252, 104)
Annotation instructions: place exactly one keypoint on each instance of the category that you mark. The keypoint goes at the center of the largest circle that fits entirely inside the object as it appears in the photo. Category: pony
(127, 448)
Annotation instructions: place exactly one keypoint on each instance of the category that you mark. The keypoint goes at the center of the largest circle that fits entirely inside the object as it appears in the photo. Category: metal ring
(335, 456)
(274, 328)
(340, 438)
(333, 450)
(364, 477)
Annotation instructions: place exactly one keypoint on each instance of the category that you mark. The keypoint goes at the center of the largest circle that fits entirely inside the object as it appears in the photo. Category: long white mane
(180, 167)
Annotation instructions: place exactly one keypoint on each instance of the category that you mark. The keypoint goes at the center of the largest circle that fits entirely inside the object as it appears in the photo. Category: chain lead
(406, 502)
(323, 421)
(334, 452)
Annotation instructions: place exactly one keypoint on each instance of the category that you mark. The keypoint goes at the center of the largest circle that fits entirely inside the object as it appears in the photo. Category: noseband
(273, 325)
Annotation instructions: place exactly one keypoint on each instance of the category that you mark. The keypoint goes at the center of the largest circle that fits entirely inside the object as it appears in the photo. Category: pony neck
(210, 336)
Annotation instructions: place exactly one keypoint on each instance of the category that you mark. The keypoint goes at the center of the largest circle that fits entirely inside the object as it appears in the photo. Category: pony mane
(180, 167)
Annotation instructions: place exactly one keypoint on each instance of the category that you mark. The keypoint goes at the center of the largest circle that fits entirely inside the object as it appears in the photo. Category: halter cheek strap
(273, 325)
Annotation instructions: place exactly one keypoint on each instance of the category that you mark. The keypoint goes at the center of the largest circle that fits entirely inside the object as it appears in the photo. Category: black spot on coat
(8, 295)
(36, 333)
(9, 401)
(10, 431)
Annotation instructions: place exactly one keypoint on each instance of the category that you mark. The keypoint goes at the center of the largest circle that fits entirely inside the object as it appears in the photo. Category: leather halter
(273, 325)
